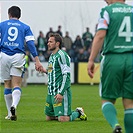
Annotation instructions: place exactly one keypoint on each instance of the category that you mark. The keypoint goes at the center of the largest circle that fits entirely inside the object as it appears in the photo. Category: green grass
(31, 118)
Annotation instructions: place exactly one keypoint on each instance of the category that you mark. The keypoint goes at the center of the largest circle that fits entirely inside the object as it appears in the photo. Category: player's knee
(63, 118)
(127, 103)
(48, 118)
(8, 84)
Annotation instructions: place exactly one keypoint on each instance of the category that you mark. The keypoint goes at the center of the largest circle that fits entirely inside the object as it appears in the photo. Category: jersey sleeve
(29, 35)
(29, 38)
(64, 63)
(104, 20)
(32, 48)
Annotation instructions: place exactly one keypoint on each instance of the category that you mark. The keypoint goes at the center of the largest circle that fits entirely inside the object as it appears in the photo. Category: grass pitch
(31, 118)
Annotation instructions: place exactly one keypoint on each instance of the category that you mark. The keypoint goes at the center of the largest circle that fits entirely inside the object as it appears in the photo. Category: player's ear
(9, 15)
(58, 44)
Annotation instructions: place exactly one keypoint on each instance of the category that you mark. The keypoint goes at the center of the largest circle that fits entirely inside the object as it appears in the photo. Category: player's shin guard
(74, 115)
(110, 113)
(16, 94)
(128, 120)
(8, 99)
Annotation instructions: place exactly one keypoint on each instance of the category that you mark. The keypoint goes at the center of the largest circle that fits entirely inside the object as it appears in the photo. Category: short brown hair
(57, 37)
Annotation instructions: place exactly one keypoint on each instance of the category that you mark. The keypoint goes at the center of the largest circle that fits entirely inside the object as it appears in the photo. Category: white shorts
(0, 67)
(12, 65)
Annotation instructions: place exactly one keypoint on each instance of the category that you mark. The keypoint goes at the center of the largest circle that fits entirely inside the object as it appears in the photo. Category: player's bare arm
(38, 65)
(96, 47)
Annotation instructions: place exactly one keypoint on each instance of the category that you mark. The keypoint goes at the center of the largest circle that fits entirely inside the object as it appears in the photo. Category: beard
(52, 49)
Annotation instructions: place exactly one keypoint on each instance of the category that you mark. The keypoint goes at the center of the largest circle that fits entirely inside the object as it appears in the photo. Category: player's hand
(44, 70)
(58, 98)
(90, 68)
(38, 66)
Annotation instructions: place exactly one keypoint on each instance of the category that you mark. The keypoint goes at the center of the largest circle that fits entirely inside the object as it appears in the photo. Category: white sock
(16, 94)
(8, 100)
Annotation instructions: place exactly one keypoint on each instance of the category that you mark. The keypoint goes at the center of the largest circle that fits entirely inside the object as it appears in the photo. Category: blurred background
(73, 15)
(74, 20)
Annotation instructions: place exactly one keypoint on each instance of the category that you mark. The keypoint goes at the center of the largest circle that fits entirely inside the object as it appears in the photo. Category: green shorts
(58, 109)
(117, 76)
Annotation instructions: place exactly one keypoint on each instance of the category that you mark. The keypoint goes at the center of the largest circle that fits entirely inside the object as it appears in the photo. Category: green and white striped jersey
(117, 19)
(58, 73)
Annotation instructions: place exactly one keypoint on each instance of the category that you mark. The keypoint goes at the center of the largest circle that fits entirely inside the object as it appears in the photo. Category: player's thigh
(18, 62)
(112, 69)
(49, 111)
(64, 108)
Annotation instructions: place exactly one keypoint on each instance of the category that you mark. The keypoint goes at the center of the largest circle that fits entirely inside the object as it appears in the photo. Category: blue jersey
(13, 35)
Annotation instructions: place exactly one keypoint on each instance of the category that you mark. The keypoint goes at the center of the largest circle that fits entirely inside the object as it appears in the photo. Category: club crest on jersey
(50, 68)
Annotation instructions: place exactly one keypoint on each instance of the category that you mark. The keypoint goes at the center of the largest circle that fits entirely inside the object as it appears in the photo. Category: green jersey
(117, 19)
(58, 73)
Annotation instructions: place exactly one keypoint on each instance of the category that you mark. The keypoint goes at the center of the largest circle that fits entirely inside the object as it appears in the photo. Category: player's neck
(55, 51)
(121, 1)
(13, 18)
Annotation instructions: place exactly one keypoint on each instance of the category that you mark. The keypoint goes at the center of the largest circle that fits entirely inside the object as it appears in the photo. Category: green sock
(74, 115)
(110, 114)
(128, 120)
